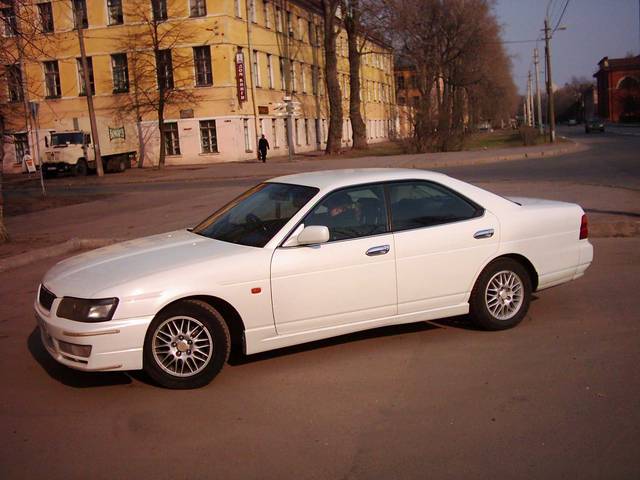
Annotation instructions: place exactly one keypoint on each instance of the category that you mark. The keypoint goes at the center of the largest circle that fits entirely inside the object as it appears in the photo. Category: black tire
(174, 351)
(122, 165)
(489, 318)
(81, 168)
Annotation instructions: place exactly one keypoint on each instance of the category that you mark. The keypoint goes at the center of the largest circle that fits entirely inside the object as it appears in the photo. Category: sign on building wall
(241, 78)
(116, 133)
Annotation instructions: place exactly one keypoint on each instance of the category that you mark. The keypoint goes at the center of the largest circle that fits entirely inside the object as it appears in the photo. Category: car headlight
(83, 310)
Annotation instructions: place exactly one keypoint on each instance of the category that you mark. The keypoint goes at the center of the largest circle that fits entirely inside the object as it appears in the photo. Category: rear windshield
(257, 215)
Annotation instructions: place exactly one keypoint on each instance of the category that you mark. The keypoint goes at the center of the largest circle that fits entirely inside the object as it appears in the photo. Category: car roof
(332, 179)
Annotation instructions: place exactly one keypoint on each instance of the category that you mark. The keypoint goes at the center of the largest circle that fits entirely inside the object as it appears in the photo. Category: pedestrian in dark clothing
(263, 146)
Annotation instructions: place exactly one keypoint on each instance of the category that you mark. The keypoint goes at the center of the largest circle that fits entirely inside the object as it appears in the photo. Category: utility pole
(532, 121)
(550, 107)
(89, 94)
(539, 104)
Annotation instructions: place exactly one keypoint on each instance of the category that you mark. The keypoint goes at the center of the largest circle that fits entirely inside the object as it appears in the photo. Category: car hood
(89, 273)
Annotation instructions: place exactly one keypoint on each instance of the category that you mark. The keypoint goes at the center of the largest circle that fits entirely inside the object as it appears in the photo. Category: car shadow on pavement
(238, 358)
(68, 376)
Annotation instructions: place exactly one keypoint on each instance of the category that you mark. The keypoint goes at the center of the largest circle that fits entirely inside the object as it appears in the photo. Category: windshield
(64, 138)
(257, 215)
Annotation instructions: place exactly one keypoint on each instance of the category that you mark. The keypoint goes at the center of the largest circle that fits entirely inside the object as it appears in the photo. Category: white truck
(72, 152)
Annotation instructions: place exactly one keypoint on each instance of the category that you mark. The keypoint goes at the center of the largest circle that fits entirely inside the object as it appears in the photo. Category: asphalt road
(611, 160)
(556, 397)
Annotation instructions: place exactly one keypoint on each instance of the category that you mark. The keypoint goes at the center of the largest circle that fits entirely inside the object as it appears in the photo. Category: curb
(573, 147)
(42, 253)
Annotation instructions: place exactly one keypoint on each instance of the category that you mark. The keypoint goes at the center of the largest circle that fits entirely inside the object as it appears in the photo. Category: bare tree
(356, 39)
(153, 54)
(459, 62)
(331, 28)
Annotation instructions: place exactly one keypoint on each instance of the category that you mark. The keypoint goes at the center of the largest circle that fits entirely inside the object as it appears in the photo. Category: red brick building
(619, 89)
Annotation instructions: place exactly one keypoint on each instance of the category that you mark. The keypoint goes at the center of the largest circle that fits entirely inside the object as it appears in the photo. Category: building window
(159, 8)
(197, 8)
(208, 137)
(290, 25)
(46, 17)
(286, 132)
(265, 12)
(296, 129)
(171, 139)
(52, 79)
(300, 28)
(80, 19)
(274, 133)
(236, 8)
(202, 60)
(114, 8)
(400, 82)
(306, 131)
(21, 144)
(120, 71)
(252, 10)
(81, 86)
(303, 77)
(14, 83)
(278, 19)
(165, 69)
(256, 69)
(314, 79)
(283, 79)
(270, 70)
(9, 21)
(293, 77)
(310, 32)
(247, 139)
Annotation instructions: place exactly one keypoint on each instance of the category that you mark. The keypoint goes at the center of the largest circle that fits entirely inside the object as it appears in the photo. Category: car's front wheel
(186, 345)
(501, 296)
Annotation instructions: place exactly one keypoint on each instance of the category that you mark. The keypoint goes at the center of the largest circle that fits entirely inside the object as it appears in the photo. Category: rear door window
(418, 204)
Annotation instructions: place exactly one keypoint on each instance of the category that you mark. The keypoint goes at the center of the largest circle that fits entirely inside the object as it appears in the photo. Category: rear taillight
(584, 227)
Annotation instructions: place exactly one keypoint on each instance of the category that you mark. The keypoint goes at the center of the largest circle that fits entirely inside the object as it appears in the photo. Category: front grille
(46, 298)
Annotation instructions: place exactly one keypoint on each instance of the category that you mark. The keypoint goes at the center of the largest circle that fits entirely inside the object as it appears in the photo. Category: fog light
(73, 349)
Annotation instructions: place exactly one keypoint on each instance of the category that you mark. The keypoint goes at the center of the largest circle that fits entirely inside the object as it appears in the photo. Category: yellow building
(229, 63)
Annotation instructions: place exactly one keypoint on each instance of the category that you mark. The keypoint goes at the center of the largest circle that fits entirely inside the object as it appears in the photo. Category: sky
(595, 29)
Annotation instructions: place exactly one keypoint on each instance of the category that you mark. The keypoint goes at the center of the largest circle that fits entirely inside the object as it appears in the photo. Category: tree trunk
(4, 234)
(334, 137)
(351, 23)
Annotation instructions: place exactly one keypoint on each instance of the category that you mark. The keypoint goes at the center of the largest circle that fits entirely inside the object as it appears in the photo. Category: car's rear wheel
(501, 296)
(186, 345)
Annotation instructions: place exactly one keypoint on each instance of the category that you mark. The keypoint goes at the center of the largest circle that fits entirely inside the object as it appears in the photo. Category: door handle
(380, 250)
(487, 233)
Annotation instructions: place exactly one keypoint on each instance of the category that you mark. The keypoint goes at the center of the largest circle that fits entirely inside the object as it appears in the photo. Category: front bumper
(115, 345)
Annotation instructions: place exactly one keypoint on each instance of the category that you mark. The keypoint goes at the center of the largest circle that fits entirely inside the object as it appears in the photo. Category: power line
(561, 15)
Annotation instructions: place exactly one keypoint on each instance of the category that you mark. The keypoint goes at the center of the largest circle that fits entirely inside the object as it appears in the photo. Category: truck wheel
(81, 168)
(122, 165)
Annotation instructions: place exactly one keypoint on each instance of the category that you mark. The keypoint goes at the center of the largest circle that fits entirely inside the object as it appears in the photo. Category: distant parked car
(572, 122)
(306, 257)
(594, 124)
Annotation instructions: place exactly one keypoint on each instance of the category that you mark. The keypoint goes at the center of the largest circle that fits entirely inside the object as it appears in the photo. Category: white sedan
(305, 257)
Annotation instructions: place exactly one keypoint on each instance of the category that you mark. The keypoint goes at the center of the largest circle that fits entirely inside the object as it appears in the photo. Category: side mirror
(313, 235)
